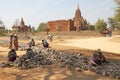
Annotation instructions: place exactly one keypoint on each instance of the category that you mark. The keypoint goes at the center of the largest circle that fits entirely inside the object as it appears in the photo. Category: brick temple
(22, 27)
(75, 24)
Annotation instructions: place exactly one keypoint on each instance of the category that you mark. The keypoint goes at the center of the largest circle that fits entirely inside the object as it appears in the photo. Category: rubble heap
(47, 56)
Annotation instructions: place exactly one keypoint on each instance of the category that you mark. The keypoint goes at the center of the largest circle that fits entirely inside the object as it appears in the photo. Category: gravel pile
(22, 47)
(47, 56)
(36, 61)
(111, 69)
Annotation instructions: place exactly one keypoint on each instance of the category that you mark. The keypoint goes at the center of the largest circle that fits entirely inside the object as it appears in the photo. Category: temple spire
(78, 12)
(78, 7)
(22, 21)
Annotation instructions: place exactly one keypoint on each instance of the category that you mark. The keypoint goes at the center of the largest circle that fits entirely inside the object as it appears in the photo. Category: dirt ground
(67, 43)
(109, 44)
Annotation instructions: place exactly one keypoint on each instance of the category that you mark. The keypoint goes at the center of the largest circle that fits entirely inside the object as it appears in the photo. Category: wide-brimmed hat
(42, 39)
(99, 50)
(15, 35)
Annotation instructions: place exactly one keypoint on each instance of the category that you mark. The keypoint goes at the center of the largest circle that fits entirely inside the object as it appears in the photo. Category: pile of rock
(22, 47)
(111, 69)
(6, 64)
(47, 56)
(71, 59)
(31, 61)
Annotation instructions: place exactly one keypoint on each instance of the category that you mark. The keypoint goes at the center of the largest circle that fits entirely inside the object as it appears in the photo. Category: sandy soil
(108, 44)
(48, 73)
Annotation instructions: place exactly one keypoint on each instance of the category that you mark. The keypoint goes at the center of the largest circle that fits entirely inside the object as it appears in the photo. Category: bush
(91, 27)
(100, 25)
(3, 32)
(41, 27)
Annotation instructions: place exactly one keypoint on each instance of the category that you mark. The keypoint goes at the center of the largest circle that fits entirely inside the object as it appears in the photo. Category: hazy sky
(37, 11)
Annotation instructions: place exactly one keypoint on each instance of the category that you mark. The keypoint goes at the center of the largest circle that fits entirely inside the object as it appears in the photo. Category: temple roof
(78, 12)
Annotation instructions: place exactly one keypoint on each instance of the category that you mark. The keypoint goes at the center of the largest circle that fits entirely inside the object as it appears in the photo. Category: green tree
(117, 14)
(100, 25)
(90, 27)
(1, 23)
(41, 27)
(33, 30)
(112, 23)
(2, 29)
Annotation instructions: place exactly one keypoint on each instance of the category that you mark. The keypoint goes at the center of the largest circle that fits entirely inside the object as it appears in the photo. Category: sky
(35, 12)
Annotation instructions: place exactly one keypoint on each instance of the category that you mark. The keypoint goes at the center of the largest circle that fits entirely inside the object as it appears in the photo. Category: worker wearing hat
(10, 41)
(15, 39)
(45, 43)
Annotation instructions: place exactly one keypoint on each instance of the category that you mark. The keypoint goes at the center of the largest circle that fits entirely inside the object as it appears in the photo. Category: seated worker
(12, 55)
(50, 37)
(102, 58)
(29, 51)
(97, 58)
(45, 43)
(32, 43)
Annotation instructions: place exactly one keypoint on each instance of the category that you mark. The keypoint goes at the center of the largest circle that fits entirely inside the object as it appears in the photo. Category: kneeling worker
(45, 43)
(12, 55)
(97, 58)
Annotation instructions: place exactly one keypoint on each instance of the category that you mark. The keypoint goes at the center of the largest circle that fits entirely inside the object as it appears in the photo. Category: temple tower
(22, 24)
(79, 22)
